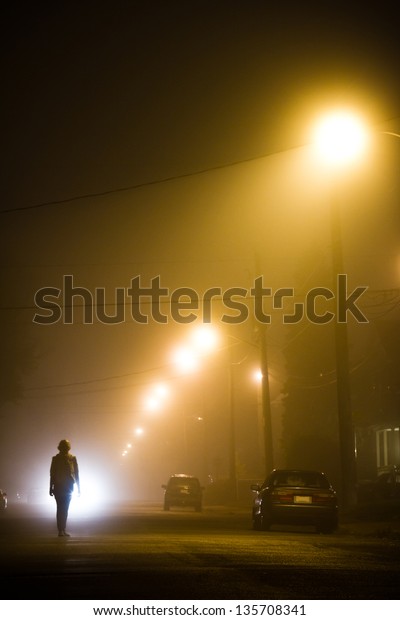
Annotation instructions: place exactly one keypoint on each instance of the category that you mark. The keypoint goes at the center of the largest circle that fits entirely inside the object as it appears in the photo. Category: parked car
(3, 500)
(183, 490)
(294, 496)
(386, 485)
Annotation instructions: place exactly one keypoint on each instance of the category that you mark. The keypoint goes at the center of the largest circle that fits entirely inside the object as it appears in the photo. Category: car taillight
(323, 498)
(282, 496)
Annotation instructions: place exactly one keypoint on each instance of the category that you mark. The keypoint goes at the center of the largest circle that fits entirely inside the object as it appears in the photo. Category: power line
(135, 186)
(168, 179)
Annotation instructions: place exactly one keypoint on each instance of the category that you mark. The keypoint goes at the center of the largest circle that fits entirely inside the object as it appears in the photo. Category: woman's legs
(63, 501)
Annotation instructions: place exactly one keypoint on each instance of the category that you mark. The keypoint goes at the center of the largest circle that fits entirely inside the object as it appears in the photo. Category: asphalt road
(138, 552)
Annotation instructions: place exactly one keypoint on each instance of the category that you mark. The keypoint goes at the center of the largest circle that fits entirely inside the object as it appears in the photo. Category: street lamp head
(340, 138)
(185, 360)
(205, 339)
(157, 397)
(258, 375)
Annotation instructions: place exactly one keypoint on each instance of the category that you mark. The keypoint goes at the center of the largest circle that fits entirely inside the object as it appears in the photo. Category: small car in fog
(3, 500)
(183, 490)
(297, 497)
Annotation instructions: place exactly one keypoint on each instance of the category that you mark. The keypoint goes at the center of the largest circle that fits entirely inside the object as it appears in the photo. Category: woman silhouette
(64, 474)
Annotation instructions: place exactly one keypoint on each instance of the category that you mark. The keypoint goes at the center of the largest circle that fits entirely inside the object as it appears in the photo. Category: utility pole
(232, 430)
(266, 402)
(265, 391)
(346, 429)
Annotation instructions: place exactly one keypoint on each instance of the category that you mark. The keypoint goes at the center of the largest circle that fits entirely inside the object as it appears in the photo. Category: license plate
(302, 499)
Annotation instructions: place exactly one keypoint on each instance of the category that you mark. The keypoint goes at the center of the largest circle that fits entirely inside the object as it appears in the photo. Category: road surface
(134, 552)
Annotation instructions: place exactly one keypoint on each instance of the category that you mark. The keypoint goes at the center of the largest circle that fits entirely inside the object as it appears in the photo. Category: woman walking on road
(64, 474)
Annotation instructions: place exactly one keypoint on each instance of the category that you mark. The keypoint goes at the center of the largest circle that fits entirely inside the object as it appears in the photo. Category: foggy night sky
(203, 110)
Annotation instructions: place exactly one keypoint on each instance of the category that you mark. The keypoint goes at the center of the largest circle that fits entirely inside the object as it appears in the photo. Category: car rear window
(184, 482)
(300, 479)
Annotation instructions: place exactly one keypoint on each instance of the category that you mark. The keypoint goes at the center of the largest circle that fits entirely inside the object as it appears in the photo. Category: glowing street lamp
(205, 339)
(202, 341)
(340, 139)
(157, 397)
(185, 360)
(257, 376)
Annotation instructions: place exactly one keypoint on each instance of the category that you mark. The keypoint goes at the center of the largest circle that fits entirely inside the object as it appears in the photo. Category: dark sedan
(298, 497)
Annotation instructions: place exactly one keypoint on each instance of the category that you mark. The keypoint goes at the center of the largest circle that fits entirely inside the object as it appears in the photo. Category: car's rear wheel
(265, 523)
(256, 523)
(326, 527)
(261, 523)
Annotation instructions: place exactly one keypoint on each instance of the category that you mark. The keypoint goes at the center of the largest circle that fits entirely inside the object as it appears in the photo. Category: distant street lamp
(185, 360)
(157, 397)
(204, 339)
(341, 139)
